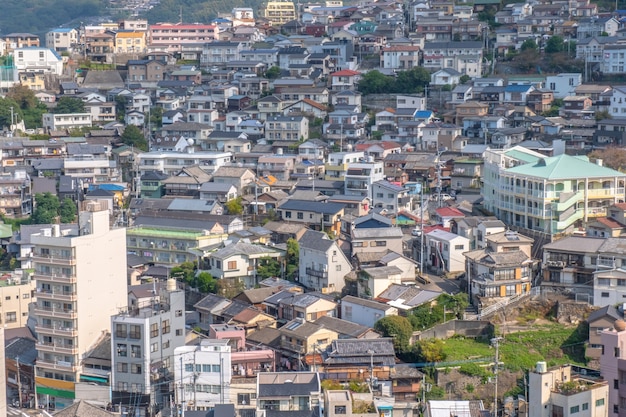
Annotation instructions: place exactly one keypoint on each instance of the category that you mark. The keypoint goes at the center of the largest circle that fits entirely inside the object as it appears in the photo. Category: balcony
(293, 347)
(54, 260)
(56, 331)
(596, 211)
(605, 192)
(356, 186)
(61, 313)
(316, 273)
(56, 295)
(57, 365)
(56, 348)
(54, 277)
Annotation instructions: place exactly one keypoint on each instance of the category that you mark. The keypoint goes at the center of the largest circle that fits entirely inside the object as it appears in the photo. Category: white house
(240, 260)
(445, 76)
(52, 121)
(564, 84)
(323, 264)
(444, 251)
(617, 108)
(365, 312)
(38, 60)
(208, 366)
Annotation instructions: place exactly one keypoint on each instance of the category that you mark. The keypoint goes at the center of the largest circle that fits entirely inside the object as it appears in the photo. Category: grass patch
(554, 344)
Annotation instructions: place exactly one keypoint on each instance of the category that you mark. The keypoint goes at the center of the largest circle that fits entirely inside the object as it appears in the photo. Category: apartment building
(81, 283)
(549, 194)
(203, 374)
(53, 121)
(143, 338)
(280, 12)
(172, 162)
(558, 391)
(613, 367)
(39, 60)
(174, 37)
(91, 169)
(361, 176)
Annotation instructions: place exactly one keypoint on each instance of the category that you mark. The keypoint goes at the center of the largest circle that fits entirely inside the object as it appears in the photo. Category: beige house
(300, 338)
(599, 320)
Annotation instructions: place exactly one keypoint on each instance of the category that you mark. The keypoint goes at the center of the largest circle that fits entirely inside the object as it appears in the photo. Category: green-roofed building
(553, 194)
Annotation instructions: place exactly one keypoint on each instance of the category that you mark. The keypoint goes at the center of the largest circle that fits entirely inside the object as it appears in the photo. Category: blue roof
(220, 20)
(423, 114)
(108, 187)
(517, 88)
(62, 30)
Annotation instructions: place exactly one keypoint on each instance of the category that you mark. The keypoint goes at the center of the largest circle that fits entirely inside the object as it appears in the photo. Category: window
(616, 384)
(338, 268)
(135, 368)
(154, 347)
(459, 247)
(585, 406)
(165, 326)
(135, 351)
(166, 344)
(616, 352)
(135, 332)
(232, 265)
(179, 313)
(179, 332)
(120, 330)
(380, 243)
(215, 368)
(340, 409)
(122, 367)
(300, 215)
(288, 215)
(154, 329)
(122, 349)
(600, 402)
(574, 409)
(604, 295)
(243, 399)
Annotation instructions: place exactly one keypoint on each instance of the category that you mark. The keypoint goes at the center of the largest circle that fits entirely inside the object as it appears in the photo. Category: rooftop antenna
(180, 15)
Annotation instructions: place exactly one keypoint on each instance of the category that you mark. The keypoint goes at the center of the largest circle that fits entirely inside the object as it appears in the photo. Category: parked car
(444, 197)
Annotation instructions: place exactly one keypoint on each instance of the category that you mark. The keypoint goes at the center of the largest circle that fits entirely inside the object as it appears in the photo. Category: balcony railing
(56, 295)
(58, 365)
(54, 312)
(53, 259)
(316, 273)
(56, 330)
(54, 277)
(55, 347)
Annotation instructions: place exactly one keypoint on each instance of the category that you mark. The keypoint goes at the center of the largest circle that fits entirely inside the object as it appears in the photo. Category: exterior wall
(364, 315)
(15, 302)
(323, 271)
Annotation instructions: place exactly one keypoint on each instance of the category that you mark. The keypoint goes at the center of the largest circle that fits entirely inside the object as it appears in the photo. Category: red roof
(345, 73)
(610, 223)
(427, 229)
(314, 103)
(449, 212)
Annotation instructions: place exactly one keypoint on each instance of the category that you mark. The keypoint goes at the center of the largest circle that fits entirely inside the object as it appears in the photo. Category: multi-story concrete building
(81, 282)
(172, 162)
(53, 121)
(203, 374)
(61, 39)
(549, 194)
(17, 291)
(280, 12)
(337, 164)
(39, 60)
(174, 37)
(613, 368)
(143, 339)
(559, 392)
(360, 177)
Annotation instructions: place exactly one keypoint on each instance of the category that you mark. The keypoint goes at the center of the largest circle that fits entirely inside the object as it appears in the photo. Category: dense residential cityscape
(316, 209)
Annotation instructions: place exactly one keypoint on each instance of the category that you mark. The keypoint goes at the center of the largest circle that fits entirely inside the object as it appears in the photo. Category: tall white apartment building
(81, 283)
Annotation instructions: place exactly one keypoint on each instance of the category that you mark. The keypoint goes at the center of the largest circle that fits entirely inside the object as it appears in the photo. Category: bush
(472, 369)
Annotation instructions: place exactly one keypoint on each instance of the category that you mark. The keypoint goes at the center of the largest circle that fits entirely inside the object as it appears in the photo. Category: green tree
(555, 44)
(234, 206)
(185, 272)
(411, 81)
(133, 136)
(529, 44)
(156, 117)
(205, 283)
(397, 327)
(430, 350)
(23, 96)
(272, 73)
(67, 210)
(120, 106)
(69, 105)
(268, 267)
(292, 258)
(9, 107)
(375, 82)
(46, 209)
(464, 79)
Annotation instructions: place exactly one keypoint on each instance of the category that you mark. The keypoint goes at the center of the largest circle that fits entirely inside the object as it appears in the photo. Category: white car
(417, 231)
(444, 197)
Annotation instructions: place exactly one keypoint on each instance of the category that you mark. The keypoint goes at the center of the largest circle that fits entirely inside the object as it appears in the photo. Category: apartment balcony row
(55, 347)
(57, 365)
(54, 277)
(56, 312)
(543, 194)
(53, 259)
(50, 329)
(56, 295)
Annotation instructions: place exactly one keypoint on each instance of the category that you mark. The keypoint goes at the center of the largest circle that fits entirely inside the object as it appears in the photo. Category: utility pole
(496, 343)
(182, 389)
(422, 229)
(19, 383)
